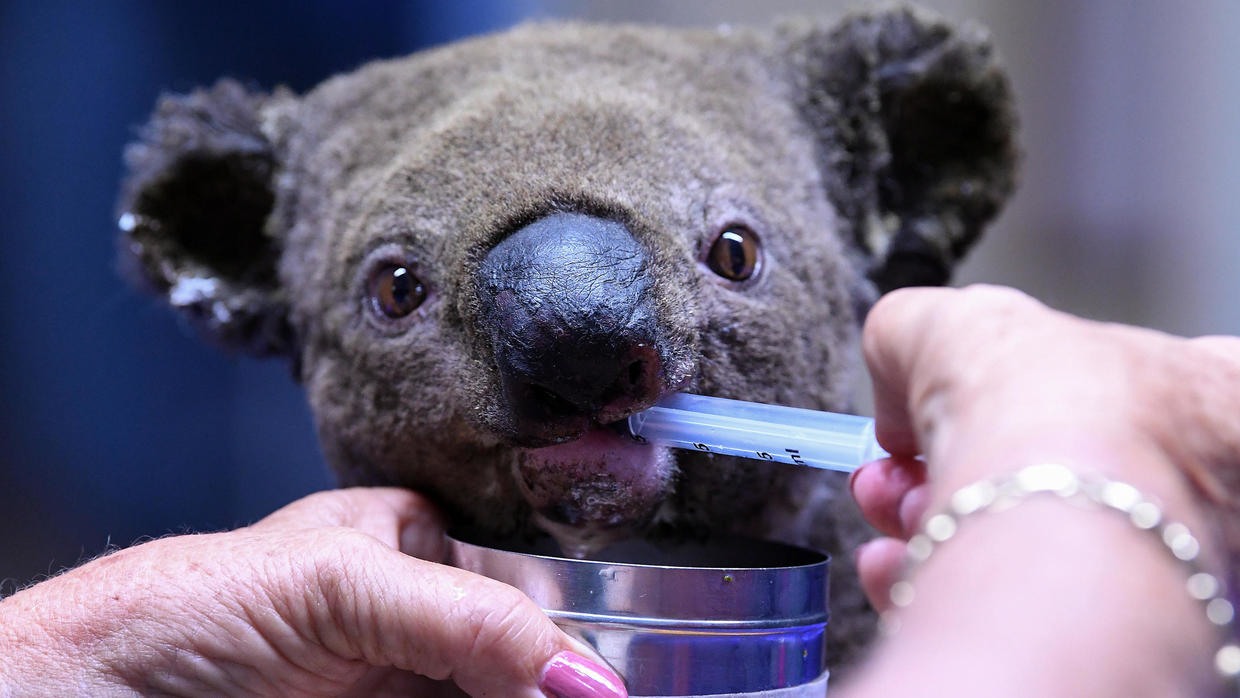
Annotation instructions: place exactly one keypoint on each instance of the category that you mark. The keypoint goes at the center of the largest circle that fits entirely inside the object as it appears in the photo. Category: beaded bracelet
(1054, 479)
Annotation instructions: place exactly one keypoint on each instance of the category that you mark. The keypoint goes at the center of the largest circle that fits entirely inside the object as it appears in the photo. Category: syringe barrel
(764, 432)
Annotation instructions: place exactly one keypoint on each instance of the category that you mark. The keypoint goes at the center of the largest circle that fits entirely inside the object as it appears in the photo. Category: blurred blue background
(118, 423)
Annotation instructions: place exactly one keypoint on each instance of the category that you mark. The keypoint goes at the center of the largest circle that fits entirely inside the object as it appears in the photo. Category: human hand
(985, 380)
(336, 594)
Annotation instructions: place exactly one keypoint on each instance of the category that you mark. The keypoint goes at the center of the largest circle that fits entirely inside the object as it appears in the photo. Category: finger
(881, 486)
(913, 509)
(370, 509)
(1211, 459)
(941, 357)
(385, 681)
(389, 609)
(399, 518)
(1225, 347)
(879, 565)
(891, 340)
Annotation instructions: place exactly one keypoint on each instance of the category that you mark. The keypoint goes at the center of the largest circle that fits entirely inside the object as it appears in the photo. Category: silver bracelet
(1058, 480)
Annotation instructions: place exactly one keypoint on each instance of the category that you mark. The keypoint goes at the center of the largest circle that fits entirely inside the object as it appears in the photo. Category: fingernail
(570, 675)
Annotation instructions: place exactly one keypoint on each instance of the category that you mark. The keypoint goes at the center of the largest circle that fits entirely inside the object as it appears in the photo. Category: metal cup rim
(657, 595)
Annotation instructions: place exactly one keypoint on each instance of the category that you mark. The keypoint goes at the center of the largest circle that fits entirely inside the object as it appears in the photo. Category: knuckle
(318, 508)
(891, 317)
(1224, 349)
(333, 561)
(998, 295)
(890, 306)
(506, 619)
(333, 589)
(989, 308)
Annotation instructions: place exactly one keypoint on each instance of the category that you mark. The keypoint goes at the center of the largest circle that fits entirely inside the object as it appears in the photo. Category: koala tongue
(595, 490)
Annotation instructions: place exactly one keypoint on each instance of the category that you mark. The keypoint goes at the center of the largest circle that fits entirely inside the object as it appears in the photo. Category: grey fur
(865, 156)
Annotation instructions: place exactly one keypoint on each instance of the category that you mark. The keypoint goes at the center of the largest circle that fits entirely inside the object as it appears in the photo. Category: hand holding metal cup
(729, 618)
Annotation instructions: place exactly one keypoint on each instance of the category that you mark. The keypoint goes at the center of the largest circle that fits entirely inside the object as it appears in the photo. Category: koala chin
(481, 258)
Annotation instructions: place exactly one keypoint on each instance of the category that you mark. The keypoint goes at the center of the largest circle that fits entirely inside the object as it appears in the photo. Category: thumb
(389, 609)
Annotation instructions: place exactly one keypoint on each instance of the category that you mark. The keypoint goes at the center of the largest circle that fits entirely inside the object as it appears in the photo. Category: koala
(480, 259)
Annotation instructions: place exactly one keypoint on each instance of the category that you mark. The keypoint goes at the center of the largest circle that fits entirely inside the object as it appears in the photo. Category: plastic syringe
(764, 432)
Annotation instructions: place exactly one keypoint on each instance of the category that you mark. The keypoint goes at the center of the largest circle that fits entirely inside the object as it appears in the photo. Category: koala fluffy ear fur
(916, 132)
(194, 216)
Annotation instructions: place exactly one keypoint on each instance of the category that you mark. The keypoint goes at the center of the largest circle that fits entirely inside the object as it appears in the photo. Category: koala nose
(567, 304)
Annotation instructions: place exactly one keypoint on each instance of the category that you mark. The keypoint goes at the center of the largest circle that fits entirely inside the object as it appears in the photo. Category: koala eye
(395, 291)
(734, 254)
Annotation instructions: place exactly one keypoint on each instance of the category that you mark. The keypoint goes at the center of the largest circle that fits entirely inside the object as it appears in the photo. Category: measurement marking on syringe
(716, 426)
(794, 455)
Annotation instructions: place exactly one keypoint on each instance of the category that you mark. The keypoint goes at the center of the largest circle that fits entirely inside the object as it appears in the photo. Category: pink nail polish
(570, 675)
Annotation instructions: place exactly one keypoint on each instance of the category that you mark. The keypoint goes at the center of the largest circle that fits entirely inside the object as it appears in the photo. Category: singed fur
(865, 156)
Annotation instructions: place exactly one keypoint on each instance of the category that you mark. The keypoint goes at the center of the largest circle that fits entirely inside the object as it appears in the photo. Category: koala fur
(861, 157)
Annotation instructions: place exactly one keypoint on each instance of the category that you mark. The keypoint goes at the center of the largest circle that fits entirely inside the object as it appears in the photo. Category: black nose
(567, 304)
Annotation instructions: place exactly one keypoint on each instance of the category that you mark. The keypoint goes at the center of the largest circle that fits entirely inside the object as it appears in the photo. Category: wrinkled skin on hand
(321, 598)
(983, 376)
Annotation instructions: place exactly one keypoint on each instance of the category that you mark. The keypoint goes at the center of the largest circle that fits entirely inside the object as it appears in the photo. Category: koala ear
(194, 216)
(916, 134)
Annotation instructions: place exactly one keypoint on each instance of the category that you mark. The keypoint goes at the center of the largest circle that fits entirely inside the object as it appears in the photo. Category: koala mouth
(595, 490)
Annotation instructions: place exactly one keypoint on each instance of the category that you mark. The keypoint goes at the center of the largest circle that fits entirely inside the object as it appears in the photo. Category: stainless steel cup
(736, 617)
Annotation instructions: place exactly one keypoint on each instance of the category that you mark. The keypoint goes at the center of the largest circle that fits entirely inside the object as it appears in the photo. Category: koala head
(480, 258)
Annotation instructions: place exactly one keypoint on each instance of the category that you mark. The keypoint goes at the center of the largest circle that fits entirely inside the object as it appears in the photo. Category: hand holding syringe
(764, 432)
